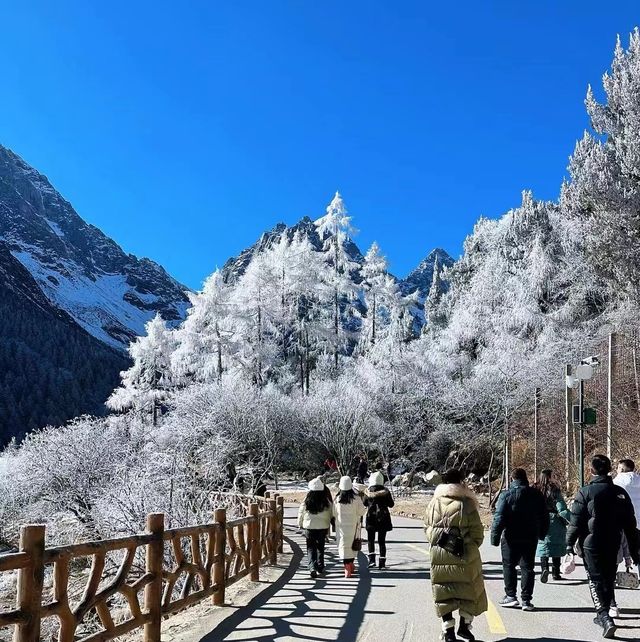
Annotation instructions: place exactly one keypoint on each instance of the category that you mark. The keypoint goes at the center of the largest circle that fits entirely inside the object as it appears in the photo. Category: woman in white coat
(349, 511)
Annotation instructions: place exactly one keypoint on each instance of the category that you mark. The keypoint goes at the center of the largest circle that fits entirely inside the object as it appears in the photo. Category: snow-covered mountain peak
(108, 292)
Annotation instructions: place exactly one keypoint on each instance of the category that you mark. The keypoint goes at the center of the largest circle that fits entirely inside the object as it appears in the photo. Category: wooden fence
(175, 568)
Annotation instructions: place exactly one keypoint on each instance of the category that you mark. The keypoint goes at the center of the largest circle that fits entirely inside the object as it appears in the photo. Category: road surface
(395, 605)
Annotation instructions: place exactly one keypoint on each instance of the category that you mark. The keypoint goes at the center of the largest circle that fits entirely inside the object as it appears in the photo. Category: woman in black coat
(378, 501)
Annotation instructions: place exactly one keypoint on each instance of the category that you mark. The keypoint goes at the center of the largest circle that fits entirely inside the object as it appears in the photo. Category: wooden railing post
(153, 590)
(220, 563)
(254, 547)
(30, 581)
(273, 532)
(280, 524)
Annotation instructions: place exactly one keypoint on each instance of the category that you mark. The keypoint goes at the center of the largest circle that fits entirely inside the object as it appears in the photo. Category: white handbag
(568, 564)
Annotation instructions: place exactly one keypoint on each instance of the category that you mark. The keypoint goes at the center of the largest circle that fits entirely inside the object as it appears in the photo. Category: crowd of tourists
(533, 521)
(354, 503)
(530, 521)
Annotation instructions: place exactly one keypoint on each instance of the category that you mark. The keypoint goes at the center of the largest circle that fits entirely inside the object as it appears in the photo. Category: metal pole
(536, 403)
(581, 441)
(567, 429)
(612, 341)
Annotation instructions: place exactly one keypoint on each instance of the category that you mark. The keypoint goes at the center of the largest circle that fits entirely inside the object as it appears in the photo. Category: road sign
(588, 416)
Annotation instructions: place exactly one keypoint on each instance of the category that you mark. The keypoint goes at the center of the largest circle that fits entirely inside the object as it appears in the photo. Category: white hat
(376, 479)
(316, 484)
(346, 483)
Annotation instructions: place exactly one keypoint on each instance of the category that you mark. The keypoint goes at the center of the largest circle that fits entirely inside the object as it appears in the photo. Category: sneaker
(557, 577)
(527, 605)
(509, 602)
(449, 635)
(313, 574)
(372, 561)
(608, 626)
(544, 576)
(614, 611)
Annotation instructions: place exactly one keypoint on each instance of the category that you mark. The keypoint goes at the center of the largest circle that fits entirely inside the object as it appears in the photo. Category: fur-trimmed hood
(373, 493)
(456, 491)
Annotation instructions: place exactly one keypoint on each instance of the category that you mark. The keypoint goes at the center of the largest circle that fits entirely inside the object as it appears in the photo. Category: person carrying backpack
(378, 501)
(314, 516)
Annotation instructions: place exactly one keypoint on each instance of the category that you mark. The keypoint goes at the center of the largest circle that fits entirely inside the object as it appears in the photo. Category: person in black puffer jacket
(378, 501)
(520, 521)
(600, 513)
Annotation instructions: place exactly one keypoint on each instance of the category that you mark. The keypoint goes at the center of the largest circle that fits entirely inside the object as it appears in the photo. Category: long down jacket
(348, 519)
(457, 583)
(554, 544)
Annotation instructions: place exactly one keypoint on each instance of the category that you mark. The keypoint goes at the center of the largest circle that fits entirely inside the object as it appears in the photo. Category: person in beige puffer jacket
(314, 516)
(457, 582)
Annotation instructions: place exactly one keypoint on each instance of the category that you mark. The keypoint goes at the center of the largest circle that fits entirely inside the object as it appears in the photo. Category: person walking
(629, 479)
(349, 511)
(377, 500)
(600, 514)
(520, 521)
(314, 516)
(456, 575)
(554, 544)
(362, 469)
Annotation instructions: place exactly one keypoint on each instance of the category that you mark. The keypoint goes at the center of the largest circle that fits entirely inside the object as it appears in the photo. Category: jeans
(315, 548)
(520, 553)
(382, 542)
(601, 566)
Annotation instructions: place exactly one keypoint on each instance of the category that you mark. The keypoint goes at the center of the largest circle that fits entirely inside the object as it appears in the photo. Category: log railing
(157, 574)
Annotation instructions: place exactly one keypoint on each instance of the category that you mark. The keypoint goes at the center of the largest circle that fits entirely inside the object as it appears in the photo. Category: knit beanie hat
(376, 479)
(316, 484)
(346, 483)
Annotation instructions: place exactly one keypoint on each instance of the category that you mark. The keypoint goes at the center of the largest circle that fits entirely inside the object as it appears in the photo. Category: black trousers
(382, 542)
(520, 553)
(544, 564)
(601, 566)
(315, 548)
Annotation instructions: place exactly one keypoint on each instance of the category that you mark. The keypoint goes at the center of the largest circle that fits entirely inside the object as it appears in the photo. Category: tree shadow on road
(299, 608)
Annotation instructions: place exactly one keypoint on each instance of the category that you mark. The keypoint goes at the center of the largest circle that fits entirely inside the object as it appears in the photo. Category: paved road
(395, 605)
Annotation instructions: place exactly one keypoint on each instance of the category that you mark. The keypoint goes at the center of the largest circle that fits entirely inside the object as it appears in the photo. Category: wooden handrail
(174, 567)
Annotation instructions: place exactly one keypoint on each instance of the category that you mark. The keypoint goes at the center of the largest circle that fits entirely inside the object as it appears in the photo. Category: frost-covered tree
(149, 380)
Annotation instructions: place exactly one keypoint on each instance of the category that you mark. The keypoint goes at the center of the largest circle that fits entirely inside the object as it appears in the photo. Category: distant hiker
(362, 470)
(601, 512)
(628, 479)
(314, 517)
(521, 520)
(378, 501)
(455, 533)
(554, 544)
(349, 511)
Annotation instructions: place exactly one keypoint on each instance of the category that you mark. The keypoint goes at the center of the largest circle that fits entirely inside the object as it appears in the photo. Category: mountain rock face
(419, 280)
(81, 271)
(234, 268)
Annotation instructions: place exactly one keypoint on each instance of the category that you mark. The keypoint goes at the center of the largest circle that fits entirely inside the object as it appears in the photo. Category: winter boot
(382, 564)
(449, 631)
(348, 569)
(372, 560)
(464, 629)
(544, 565)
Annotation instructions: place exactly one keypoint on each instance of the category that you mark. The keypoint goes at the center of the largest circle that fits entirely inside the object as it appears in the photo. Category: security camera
(591, 361)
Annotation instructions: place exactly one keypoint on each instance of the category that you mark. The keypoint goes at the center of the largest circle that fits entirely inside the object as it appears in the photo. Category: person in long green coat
(457, 582)
(554, 544)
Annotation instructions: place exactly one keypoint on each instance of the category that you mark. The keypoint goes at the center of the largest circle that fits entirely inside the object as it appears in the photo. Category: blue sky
(183, 130)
